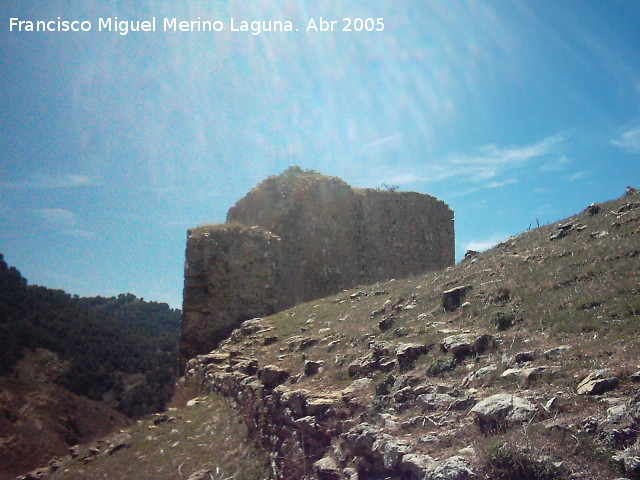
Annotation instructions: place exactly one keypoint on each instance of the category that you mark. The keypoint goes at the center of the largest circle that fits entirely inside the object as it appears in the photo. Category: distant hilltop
(299, 236)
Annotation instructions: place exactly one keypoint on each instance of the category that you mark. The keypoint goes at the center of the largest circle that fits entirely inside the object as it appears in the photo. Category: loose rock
(481, 377)
(312, 367)
(271, 376)
(416, 464)
(452, 299)
(501, 410)
(407, 354)
(327, 469)
(597, 383)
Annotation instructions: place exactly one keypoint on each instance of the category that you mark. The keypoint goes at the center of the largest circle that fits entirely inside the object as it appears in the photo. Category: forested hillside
(121, 350)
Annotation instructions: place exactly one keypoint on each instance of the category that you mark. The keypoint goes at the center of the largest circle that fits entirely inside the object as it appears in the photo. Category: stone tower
(300, 236)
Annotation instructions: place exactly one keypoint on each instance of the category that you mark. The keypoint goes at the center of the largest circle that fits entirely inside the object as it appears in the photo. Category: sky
(513, 112)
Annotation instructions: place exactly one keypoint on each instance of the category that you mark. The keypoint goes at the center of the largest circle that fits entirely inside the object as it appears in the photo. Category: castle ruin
(300, 236)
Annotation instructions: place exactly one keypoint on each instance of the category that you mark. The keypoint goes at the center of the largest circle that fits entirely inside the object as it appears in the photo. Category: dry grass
(207, 436)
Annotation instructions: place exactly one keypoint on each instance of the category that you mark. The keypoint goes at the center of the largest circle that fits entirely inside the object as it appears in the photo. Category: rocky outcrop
(307, 431)
(598, 382)
(301, 236)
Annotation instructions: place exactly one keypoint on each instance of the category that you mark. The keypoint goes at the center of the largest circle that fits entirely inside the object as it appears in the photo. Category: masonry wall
(297, 237)
(404, 233)
(230, 276)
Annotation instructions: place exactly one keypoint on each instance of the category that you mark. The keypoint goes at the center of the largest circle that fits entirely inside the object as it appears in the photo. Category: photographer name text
(173, 24)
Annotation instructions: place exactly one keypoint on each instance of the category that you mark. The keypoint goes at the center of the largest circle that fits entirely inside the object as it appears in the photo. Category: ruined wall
(305, 236)
(230, 276)
(317, 219)
(404, 233)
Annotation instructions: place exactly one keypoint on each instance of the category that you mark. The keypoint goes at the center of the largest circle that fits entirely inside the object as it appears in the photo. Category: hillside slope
(71, 368)
(120, 350)
(39, 419)
(518, 363)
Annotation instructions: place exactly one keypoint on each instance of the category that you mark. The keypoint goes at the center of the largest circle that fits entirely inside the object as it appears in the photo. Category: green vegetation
(441, 365)
(503, 320)
(506, 461)
(105, 339)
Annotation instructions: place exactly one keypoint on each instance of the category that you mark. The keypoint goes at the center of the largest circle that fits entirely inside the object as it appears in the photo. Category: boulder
(296, 401)
(556, 351)
(523, 357)
(312, 367)
(561, 231)
(501, 410)
(327, 469)
(470, 254)
(215, 358)
(458, 345)
(481, 377)
(598, 382)
(465, 344)
(629, 459)
(463, 403)
(621, 427)
(453, 298)
(415, 464)
(271, 376)
(248, 367)
(387, 322)
(527, 375)
(269, 340)
(453, 468)
(628, 206)
(320, 405)
(358, 388)
(361, 438)
(407, 353)
(592, 209)
(308, 425)
(393, 453)
(118, 442)
(249, 327)
(434, 401)
(363, 366)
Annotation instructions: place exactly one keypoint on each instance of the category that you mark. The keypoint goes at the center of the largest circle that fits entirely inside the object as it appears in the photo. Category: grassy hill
(403, 379)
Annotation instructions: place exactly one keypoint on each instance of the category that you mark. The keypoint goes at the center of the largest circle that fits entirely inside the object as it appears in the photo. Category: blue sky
(111, 146)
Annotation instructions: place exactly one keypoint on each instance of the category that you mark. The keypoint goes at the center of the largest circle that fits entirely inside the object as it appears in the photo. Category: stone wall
(300, 236)
(230, 276)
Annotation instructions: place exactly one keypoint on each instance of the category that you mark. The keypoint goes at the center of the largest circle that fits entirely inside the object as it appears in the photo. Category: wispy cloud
(482, 245)
(491, 161)
(629, 140)
(490, 166)
(57, 217)
(556, 163)
(381, 143)
(577, 176)
(509, 181)
(51, 181)
(63, 221)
